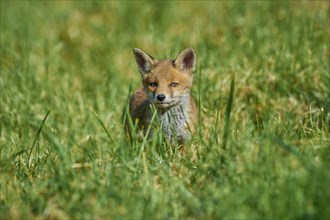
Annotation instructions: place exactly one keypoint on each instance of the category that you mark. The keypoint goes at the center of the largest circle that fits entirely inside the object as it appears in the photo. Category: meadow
(262, 150)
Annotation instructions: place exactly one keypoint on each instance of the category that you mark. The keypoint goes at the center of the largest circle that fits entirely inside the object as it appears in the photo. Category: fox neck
(174, 120)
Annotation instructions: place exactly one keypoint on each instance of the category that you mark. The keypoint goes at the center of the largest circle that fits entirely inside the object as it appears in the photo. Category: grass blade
(36, 138)
(228, 111)
(104, 128)
(200, 130)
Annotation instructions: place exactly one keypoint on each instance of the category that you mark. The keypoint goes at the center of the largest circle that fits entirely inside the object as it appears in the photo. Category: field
(262, 150)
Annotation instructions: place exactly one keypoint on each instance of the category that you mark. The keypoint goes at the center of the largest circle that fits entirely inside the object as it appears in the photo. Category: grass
(262, 149)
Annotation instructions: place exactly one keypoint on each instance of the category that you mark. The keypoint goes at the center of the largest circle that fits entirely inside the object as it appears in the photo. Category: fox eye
(153, 84)
(174, 84)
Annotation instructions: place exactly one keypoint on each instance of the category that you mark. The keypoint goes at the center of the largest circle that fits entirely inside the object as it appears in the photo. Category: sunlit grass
(262, 147)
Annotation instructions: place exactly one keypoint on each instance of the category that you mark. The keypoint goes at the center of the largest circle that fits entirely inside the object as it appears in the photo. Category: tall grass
(262, 148)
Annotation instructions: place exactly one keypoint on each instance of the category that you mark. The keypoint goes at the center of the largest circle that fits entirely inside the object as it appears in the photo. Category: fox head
(167, 82)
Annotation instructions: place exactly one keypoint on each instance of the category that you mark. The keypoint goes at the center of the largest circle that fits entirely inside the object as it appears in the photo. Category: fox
(165, 91)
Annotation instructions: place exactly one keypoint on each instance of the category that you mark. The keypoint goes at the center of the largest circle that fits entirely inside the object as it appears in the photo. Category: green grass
(263, 146)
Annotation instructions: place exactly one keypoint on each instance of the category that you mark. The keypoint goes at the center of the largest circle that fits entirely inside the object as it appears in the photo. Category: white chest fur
(174, 123)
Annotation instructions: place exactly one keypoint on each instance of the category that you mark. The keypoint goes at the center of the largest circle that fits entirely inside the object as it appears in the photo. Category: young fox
(166, 86)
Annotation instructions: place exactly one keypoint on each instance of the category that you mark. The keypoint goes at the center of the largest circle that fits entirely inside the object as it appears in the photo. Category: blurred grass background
(74, 59)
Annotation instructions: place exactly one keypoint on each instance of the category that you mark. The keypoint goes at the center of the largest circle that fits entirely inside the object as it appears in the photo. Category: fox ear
(186, 60)
(144, 61)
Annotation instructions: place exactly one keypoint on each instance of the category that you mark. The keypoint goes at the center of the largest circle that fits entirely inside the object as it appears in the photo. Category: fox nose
(161, 97)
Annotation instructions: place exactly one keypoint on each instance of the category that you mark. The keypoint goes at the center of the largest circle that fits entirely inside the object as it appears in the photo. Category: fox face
(166, 82)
